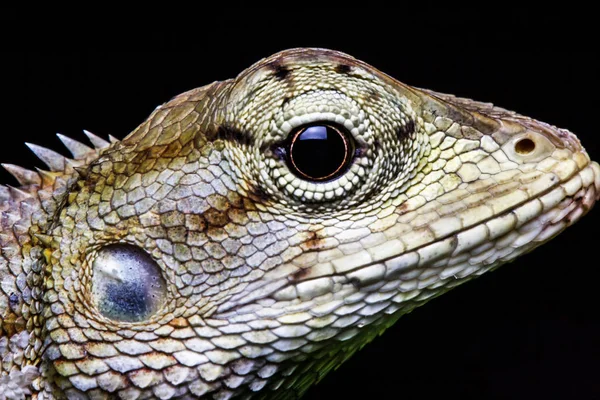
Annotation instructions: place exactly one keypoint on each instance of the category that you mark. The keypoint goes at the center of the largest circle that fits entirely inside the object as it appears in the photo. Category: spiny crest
(58, 166)
(97, 141)
(24, 176)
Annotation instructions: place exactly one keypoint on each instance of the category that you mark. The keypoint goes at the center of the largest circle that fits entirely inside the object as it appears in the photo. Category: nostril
(525, 146)
(529, 147)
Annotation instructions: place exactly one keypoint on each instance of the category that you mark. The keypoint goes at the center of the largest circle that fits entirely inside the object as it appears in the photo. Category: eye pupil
(319, 152)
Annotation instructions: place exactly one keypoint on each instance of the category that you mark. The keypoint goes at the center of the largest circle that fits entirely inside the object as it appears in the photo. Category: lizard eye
(319, 152)
(127, 284)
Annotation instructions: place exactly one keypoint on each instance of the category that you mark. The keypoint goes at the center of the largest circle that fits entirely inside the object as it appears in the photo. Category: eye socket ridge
(318, 152)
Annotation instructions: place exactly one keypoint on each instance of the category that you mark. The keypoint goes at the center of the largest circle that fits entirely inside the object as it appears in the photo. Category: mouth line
(453, 236)
(484, 221)
(356, 275)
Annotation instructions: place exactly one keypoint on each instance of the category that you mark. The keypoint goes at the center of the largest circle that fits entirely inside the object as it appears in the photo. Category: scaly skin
(271, 281)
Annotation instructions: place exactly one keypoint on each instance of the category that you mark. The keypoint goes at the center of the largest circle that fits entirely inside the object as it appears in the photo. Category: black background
(529, 330)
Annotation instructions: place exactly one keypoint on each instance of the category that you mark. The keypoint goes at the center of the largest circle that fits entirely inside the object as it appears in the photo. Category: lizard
(252, 234)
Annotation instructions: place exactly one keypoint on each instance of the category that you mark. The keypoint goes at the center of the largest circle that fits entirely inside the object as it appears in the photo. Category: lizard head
(254, 233)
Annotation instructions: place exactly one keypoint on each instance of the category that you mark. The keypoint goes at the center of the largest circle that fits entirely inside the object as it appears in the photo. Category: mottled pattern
(270, 281)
